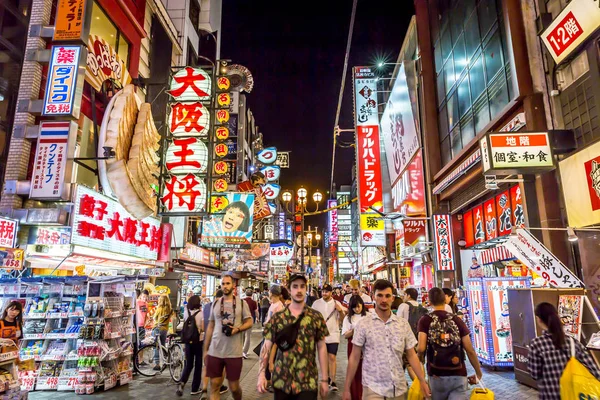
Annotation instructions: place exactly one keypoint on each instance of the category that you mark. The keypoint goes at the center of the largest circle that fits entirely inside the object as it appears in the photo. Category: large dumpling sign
(104, 63)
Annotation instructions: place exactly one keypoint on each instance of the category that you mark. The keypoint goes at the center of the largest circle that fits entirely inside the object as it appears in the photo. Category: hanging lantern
(220, 185)
(221, 168)
(222, 133)
(190, 84)
(221, 150)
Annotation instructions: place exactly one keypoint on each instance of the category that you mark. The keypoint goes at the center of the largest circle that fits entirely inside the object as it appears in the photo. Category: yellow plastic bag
(482, 393)
(415, 393)
(576, 381)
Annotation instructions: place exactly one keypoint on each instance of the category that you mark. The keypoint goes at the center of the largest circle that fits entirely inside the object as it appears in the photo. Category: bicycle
(170, 355)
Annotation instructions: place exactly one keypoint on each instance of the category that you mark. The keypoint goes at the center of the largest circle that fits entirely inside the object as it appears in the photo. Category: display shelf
(8, 356)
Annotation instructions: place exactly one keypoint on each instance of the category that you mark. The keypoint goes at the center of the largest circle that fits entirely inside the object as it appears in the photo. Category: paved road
(501, 382)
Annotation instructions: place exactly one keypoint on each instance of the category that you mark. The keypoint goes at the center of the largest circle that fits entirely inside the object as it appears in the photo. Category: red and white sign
(194, 253)
(333, 221)
(490, 219)
(60, 95)
(504, 212)
(103, 63)
(444, 243)
(184, 193)
(408, 193)
(509, 151)
(516, 199)
(8, 232)
(188, 119)
(592, 175)
(369, 168)
(49, 168)
(190, 84)
(271, 172)
(102, 223)
(576, 22)
(536, 257)
(415, 231)
(398, 128)
(271, 190)
(186, 155)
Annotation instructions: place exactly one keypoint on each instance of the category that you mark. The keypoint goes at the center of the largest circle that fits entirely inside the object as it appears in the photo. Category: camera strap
(223, 309)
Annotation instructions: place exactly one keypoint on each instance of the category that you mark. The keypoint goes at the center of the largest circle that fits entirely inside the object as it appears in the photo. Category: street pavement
(502, 382)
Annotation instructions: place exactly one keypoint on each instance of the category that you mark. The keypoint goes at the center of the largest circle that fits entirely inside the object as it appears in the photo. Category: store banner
(582, 192)
(576, 22)
(516, 199)
(372, 230)
(164, 253)
(444, 243)
(49, 235)
(490, 219)
(55, 146)
(531, 252)
(64, 82)
(254, 260)
(70, 19)
(283, 159)
(399, 242)
(100, 222)
(468, 231)
(103, 62)
(398, 128)
(332, 221)
(197, 254)
(408, 192)
(232, 228)
(516, 153)
(11, 259)
(281, 251)
(504, 210)
(478, 224)
(8, 232)
(415, 231)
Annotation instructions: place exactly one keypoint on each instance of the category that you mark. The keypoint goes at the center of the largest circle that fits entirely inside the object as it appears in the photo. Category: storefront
(199, 270)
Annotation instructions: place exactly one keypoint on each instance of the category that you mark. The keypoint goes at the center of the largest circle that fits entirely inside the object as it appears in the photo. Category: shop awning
(195, 267)
(497, 253)
(376, 266)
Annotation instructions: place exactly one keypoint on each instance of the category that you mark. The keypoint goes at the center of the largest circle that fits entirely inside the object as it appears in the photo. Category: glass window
(457, 22)
(456, 141)
(123, 51)
(437, 52)
(103, 26)
(472, 40)
(441, 90)
(445, 151)
(85, 148)
(487, 15)
(452, 106)
(481, 112)
(464, 96)
(443, 122)
(467, 130)
(493, 57)
(476, 78)
(446, 44)
(498, 94)
(460, 59)
(467, 7)
(449, 74)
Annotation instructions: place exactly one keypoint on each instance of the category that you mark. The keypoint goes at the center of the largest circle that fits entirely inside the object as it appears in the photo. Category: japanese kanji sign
(372, 230)
(398, 128)
(444, 243)
(522, 152)
(271, 172)
(63, 80)
(50, 163)
(232, 228)
(332, 221)
(190, 84)
(188, 119)
(539, 259)
(8, 232)
(186, 155)
(576, 22)
(104, 63)
(408, 193)
(283, 159)
(184, 194)
(69, 21)
(47, 235)
(102, 223)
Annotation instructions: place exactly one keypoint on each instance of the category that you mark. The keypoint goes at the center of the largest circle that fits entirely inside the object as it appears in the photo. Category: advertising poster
(255, 259)
(281, 251)
(491, 223)
(232, 228)
(479, 333)
(570, 309)
(478, 224)
(516, 199)
(499, 316)
(504, 211)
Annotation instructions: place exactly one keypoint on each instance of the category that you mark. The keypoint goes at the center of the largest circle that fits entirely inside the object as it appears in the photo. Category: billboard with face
(233, 227)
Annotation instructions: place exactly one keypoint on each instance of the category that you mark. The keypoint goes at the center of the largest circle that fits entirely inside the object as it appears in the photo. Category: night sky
(295, 51)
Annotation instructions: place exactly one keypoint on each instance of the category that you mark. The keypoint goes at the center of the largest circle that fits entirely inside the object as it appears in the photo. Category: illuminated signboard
(444, 243)
(516, 153)
(63, 81)
(69, 21)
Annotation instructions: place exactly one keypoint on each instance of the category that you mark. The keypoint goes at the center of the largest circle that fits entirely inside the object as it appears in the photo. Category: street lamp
(301, 208)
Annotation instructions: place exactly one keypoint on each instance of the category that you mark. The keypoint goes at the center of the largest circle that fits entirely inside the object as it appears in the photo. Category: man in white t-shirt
(355, 290)
(333, 313)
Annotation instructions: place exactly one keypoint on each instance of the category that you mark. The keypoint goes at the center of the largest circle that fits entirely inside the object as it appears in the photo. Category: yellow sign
(223, 83)
(70, 15)
(404, 272)
(218, 203)
(224, 99)
(220, 185)
(222, 133)
(221, 168)
(372, 230)
(222, 116)
(221, 149)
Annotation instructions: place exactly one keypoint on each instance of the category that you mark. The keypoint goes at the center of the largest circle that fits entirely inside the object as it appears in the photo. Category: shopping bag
(482, 393)
(576, 381)
(415, 393)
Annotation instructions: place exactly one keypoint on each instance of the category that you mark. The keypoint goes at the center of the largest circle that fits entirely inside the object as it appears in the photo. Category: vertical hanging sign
(64, 82)
(443, 242)
(368, 155)
(70, 20)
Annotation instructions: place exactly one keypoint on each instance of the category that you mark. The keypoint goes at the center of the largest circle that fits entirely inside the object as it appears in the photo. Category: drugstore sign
(100, 222)
(572, 27)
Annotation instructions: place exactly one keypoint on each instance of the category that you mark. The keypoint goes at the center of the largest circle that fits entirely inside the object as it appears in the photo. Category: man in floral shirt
(295, 373)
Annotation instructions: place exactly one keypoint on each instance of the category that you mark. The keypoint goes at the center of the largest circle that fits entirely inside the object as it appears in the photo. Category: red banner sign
(369, 168)
(408, 193)
(491, 221)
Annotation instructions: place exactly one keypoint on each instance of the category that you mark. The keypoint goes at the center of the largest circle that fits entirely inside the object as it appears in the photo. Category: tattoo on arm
(265, 351)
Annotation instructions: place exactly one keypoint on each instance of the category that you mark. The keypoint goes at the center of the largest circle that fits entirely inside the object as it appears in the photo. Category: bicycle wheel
(176, 361)
(143, 360)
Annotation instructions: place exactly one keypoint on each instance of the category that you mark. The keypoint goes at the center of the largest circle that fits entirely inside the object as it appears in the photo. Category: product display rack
(9, 381)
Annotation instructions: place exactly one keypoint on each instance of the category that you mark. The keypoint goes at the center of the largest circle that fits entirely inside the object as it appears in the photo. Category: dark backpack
(189, 333)
(445, 351)
(414, 315)
(264, 302)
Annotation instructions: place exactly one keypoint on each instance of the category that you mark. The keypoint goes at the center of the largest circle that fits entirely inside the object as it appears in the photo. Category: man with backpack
(445, 337)
(265, 303)
(411, 311)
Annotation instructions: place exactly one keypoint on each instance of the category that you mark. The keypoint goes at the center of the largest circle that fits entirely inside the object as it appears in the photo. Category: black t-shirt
(424, 323)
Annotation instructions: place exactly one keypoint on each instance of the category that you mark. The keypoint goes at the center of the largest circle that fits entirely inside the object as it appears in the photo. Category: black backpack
(189, 333)
(445, 351)
(414, 315)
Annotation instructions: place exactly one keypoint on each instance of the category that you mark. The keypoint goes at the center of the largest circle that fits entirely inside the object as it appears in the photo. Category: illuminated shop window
(107, 30)
(473, 72)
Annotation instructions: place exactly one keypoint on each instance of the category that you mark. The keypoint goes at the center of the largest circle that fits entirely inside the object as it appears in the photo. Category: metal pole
(302, 237)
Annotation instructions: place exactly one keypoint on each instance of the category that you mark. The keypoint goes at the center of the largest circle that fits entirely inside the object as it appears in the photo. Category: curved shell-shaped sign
(186, 155)
(273, 208)
(271, 173)
(271, 191)
(267, 155)
(190, 84)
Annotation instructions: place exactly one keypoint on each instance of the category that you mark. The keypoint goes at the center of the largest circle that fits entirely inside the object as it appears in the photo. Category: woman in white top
(356, 312)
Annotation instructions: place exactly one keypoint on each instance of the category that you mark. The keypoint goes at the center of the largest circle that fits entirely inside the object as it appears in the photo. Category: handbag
(286, 337)
(415, 393)
(577, 382)
(482, 393)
